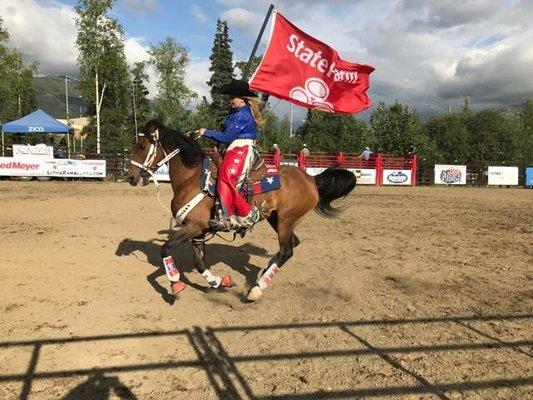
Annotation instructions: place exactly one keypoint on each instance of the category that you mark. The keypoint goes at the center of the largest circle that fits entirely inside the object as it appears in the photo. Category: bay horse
(284, 208)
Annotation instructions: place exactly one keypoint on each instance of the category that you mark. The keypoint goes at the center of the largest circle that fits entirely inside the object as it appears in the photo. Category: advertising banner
(10, 166)
(529, 176)
(162, 173)
(37, 151)
(314, 171)
(365, 176)
(397, 177)
(505, 176)
(450, 174)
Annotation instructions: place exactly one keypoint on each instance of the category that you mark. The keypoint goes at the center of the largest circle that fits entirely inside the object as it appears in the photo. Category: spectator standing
(366, 154)
(306, 151)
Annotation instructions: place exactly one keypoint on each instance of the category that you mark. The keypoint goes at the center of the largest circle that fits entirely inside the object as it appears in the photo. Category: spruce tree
(140, 92)
(222, 69)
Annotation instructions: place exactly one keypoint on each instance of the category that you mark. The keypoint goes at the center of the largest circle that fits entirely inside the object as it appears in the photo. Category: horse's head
(146, 154)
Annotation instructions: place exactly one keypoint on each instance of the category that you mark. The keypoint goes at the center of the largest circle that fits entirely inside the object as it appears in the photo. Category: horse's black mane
(190, 152)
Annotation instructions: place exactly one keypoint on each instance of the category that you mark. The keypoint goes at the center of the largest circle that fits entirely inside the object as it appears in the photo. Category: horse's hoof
(226, 282)
(177, 288)
(254, 293)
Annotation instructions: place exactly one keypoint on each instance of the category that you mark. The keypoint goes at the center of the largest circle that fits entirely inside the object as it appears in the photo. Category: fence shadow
(236, 257)
(228, 382)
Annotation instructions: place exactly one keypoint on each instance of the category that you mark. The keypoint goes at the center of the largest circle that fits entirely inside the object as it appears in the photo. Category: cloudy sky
(424, 51)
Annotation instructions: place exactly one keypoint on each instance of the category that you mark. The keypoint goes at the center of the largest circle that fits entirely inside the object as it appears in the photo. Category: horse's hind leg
(287, 241)
(198, 252)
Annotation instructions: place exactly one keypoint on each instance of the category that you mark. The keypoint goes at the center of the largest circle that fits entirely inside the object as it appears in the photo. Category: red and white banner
(299, 68)
(64, 168)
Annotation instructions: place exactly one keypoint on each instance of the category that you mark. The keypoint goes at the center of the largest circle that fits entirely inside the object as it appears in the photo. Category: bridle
(147, 166)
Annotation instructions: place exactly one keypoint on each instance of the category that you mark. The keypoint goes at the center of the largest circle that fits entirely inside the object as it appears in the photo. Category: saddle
(259, 179)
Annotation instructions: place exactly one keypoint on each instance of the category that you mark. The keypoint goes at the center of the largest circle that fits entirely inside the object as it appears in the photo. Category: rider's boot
(251, 219)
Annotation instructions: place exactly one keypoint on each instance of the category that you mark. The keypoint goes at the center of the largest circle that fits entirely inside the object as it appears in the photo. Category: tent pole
(3, 155)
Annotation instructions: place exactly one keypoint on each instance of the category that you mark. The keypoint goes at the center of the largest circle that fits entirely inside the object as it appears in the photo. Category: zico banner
(299, 68)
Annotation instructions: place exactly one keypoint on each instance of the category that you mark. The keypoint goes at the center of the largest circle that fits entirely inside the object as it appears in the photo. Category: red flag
(300, 69)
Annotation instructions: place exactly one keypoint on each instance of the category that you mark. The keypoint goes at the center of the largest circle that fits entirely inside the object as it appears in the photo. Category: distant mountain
(50, 95)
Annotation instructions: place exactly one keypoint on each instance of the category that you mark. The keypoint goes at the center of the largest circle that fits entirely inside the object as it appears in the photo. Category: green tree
(222, 71)
(104, 76)
(169, 59)
(398, 130)
(202, 118)
(140, 92)
(450, 135)
(324, 131)
(526, 135)
(494, 137)
(241, 65)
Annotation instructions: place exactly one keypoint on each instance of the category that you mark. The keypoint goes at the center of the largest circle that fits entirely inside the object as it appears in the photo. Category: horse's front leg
(214, 281)
(184, 234)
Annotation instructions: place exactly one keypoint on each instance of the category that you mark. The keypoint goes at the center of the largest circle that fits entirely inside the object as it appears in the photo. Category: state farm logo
(314, 92)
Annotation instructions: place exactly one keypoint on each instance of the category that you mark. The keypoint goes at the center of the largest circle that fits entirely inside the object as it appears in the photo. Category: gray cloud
(448, 14)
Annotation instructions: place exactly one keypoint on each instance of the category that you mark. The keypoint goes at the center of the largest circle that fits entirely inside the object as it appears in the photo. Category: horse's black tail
(332, 184)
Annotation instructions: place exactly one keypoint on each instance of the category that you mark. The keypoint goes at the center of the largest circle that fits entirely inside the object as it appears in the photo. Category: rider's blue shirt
(240, 124)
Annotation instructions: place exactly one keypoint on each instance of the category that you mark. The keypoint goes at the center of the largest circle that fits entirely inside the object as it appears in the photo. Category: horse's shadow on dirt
(236, 257)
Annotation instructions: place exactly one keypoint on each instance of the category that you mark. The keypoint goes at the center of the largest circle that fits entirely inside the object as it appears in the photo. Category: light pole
(67, 77)
(290, 126)
(449, 108)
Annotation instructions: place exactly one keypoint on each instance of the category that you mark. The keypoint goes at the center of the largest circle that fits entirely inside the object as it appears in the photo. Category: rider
(239, 134)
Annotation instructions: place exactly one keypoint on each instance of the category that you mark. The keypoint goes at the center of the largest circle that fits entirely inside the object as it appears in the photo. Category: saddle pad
(267, 184)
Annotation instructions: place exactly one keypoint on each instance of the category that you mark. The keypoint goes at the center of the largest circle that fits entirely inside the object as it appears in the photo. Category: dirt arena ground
(416, 293)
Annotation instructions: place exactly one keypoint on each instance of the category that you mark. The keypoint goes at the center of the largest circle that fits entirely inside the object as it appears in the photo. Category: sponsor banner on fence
(314, 171)
(450, 174)
(162, 173)
(529, 176)
(365, 176)
(396, 176)
(503, 175)
(37, 151)
(10, 166)
(21, 166)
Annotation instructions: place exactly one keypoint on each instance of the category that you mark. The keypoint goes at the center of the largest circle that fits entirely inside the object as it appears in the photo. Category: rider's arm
(232, 131)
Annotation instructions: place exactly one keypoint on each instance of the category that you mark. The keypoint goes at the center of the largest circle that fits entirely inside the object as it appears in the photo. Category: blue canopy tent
(36, 122)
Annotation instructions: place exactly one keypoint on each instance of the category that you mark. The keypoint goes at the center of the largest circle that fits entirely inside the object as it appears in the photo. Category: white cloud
(196, 75)
(44, 32)
(198, 13)
(241, 19)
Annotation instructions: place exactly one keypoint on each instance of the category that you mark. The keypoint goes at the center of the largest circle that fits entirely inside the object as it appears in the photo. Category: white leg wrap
(265, 280)
(213, 280)
(173, 274)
